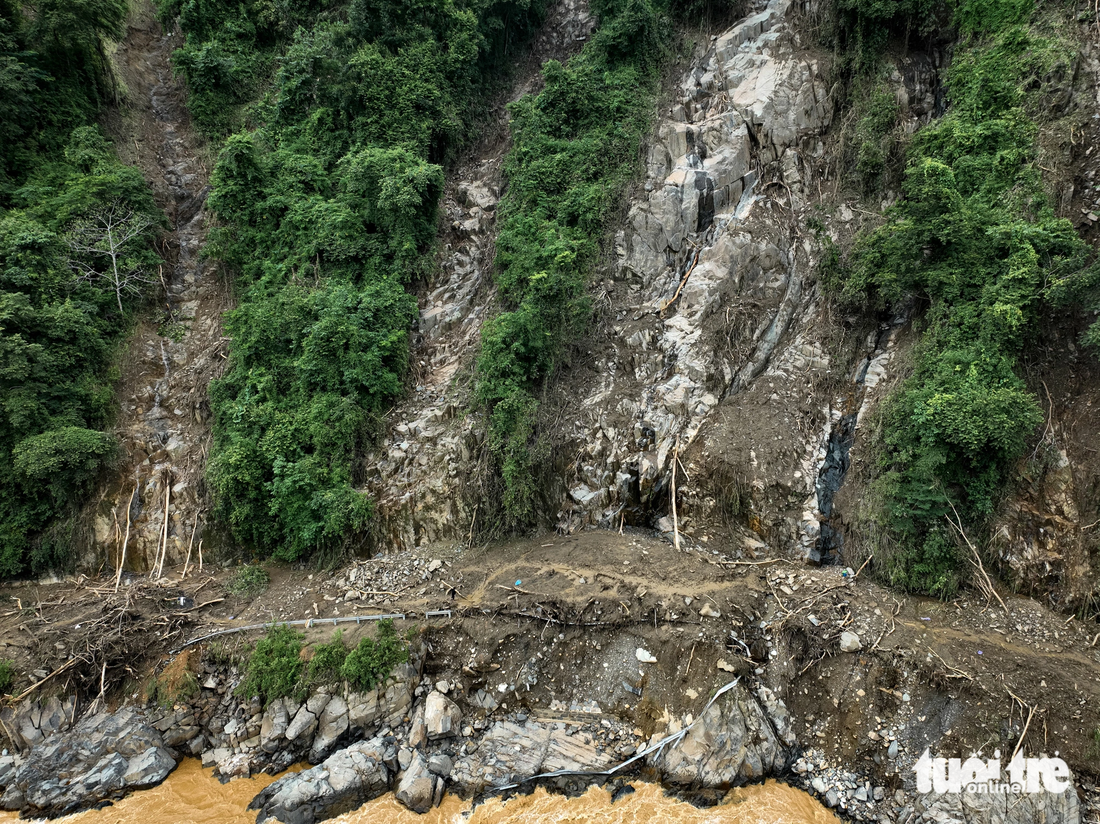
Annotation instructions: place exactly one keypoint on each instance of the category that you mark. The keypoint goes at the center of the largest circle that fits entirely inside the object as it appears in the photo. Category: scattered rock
(849, 642)
(645, 656)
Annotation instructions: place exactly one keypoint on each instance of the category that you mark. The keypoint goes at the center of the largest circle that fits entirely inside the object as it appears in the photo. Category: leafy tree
(58, 332)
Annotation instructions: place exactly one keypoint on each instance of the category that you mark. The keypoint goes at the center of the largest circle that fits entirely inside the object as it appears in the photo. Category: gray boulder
(149, 768)
(274, 725)
(305, 720)
(332, 724)
(100, 759)
(417, 787)
(442, 717)
(344, 782)
(734, 741)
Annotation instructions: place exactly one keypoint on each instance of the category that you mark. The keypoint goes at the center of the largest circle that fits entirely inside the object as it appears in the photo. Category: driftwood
(163, 549)
(126, 540)
(190, 544)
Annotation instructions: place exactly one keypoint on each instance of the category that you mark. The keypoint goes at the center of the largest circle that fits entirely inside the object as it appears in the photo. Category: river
(191, 795)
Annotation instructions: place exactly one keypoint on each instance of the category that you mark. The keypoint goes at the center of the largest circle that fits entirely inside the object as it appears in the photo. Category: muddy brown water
(192, 795)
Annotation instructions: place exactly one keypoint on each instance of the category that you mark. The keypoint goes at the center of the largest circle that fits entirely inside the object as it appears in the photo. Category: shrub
(328, 660)
(373, 660)
(7, 676)
(248, 582)
(275, 666)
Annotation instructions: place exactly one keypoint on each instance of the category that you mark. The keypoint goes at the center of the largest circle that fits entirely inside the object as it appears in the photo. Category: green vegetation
(276, 669)
(328, 660)
(875, 148)
(328, 198)
(975, 241)
(275, 666)
(368, 664)
(7, 676)
(76, 231)
(575, 146)
(248, 582)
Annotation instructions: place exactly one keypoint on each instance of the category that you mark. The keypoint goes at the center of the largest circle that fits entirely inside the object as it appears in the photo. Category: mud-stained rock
(511, 752)
(103, 757)
(1037, 535)
(734, 741)
(345, 781)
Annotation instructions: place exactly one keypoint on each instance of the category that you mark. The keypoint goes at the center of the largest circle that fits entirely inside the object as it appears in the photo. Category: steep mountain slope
(164, 416)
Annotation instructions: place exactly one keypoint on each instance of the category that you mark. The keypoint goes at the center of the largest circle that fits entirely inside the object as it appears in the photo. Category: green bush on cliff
(328, 208)
(975, 242)
(575, 146)
(274, 668)
(371, 662)
(325, 667)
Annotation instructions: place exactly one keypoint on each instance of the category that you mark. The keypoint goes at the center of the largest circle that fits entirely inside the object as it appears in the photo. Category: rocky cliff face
(163, 423)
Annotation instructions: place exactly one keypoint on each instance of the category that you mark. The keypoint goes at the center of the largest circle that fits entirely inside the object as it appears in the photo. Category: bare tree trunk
(126, 540)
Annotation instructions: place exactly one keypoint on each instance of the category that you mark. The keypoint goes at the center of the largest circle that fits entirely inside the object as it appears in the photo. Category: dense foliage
(329, 211)
(275, 666)
(276, 669)
(575, 146)
(974, 240)
(248, 582)
(75, 251)
(373, 659)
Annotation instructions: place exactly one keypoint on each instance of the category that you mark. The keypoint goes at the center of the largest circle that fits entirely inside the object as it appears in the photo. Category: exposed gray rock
(33, 721)
(998, 808)
(512, 751)
(732, 742)
(8, 766)
(345, 781)
(102, 758)
(442, 717)
(331, 726)
(274, 725)
(149, 768)
(441, 765)
(305, 720)
(417, 787)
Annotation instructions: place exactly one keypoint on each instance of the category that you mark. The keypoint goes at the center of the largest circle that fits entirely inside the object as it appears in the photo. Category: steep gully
(163, 418)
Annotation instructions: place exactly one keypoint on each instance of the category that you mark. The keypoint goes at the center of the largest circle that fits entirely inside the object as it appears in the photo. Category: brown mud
(964, 675)
(191, 795)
